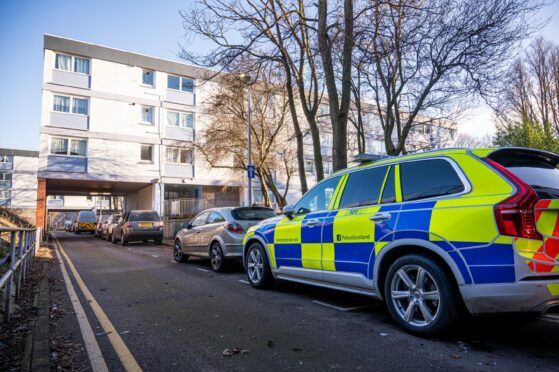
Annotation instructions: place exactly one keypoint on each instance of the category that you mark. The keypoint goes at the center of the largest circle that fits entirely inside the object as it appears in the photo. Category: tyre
(123, 240)
(421, 297)
(217, 259)
(113, 238)
(258, 268)
(158, 241)
(177, 252)
(107, 237)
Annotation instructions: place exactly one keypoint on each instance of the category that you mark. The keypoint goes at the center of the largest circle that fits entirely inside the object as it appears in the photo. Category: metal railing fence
(22, 246)
(189, 207)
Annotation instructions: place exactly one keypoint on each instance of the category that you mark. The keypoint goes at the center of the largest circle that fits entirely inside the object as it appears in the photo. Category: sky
(143, 26)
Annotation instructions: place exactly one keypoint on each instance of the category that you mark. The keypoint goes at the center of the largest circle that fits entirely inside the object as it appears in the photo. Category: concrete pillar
(41, 214)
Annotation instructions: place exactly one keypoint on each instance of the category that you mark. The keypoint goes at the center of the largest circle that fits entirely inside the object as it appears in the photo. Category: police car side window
(389, 193)
(428, 179)
(363, 187)
(318, 198)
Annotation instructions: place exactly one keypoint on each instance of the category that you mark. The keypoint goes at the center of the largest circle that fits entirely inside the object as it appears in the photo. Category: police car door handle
(312, 223)
(379, 217)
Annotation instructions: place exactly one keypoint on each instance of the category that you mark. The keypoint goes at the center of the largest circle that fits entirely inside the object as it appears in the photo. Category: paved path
(175, 317)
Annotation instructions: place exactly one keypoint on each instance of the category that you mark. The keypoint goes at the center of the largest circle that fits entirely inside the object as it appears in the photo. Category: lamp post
(246, 79)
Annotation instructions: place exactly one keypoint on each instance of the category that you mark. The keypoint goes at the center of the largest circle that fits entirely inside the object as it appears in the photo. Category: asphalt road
(177, 317)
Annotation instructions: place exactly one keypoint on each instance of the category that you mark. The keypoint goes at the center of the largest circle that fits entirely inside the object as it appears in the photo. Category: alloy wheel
(415, 295)
(255, 265)
(215, 257)
(177, 252)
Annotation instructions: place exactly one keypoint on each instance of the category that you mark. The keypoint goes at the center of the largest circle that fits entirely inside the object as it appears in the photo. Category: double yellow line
(92, 347)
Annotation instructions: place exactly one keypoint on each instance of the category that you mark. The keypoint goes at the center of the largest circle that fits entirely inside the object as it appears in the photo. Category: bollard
(8, 304)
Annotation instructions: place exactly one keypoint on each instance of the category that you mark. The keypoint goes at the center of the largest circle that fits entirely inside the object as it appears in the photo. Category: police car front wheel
(420, 295)
(258, 268)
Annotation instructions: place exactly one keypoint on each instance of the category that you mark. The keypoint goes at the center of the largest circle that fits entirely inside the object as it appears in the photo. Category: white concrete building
(121, 123)
(18, 181)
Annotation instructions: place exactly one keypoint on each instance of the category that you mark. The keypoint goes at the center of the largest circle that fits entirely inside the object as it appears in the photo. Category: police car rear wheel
(258, 268)
(420, 296)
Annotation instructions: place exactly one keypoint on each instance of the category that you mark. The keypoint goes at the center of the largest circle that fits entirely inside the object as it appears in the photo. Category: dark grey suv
(138, 225)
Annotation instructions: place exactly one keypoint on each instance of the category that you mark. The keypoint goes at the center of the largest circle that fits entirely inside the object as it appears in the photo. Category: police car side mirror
(289, 211)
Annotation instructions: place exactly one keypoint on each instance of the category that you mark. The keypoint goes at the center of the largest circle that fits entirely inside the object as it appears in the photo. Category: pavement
(172, 316)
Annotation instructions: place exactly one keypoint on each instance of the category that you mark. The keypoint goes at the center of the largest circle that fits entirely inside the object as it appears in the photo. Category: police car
(428, 233)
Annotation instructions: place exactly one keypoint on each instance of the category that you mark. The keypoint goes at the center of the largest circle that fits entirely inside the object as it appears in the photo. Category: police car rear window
(428, 179)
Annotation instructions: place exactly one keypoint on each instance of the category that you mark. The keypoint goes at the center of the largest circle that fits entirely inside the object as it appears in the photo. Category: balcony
(69, 120)
(71, 79)
(71, 164)
(179, 134)
(178, 170)
(184, 98)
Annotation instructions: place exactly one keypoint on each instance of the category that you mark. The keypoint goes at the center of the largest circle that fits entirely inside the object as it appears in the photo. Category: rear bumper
(529, 296)
(142, 235)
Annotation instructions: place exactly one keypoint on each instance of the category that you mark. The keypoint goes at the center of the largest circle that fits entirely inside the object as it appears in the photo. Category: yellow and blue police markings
(86, 225)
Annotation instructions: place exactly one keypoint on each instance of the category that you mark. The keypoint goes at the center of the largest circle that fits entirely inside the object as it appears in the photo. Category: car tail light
(515, 215)
(234, 227)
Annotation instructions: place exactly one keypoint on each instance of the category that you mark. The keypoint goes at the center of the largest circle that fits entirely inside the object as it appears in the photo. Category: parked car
(428, 233)
(218, 234)
(138, 225)
(108, 228)
(85, 222)
(67, 225)
(101, 222)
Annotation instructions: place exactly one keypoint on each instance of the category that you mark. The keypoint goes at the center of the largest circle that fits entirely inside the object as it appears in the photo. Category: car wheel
(177, 252)
(158, 241)
(258, 268)
(217, 260)
(113, 239)
(123, 240)
(145, 241)
(420, 296)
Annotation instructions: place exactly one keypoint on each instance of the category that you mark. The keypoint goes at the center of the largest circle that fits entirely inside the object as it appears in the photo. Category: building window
(147, 114)
(147, 77)
(70, 63)
(146, 153)
(68, 146)
(180, 83)
(6, 159)
(180, 119)
(5, 176)
(175, 155)
(5, 195)
(327, 167)
(326, 139)
(63, 103)
(309, 166)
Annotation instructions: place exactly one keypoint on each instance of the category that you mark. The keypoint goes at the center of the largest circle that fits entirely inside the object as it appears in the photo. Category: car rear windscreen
(538, 172)
(252, 214)
(144, 216)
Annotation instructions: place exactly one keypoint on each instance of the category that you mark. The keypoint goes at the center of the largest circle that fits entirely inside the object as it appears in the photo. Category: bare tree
(271, 32)
(223, 146)
(430, 57)
(339, 90)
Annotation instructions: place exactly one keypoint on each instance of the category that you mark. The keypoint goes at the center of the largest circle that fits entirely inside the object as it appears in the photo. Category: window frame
(8, 192)
(459, 172)
(142, 121)
(180, 83)
(152, 85)
(71, 104)
(69, 139)
(152, 151)
(179, 149)
(181, 115)
(72, 64)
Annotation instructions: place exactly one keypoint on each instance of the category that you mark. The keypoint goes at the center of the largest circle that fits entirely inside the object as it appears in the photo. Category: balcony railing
(189, 207)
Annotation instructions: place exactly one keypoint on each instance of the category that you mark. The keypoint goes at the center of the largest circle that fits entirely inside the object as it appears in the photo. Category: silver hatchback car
(218, 234)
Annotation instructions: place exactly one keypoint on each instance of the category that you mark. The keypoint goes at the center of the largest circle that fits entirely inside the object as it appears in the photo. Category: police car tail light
(515, 215)
(234, 227)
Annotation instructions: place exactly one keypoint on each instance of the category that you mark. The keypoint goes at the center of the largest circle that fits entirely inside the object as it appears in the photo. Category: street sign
(251, 171)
